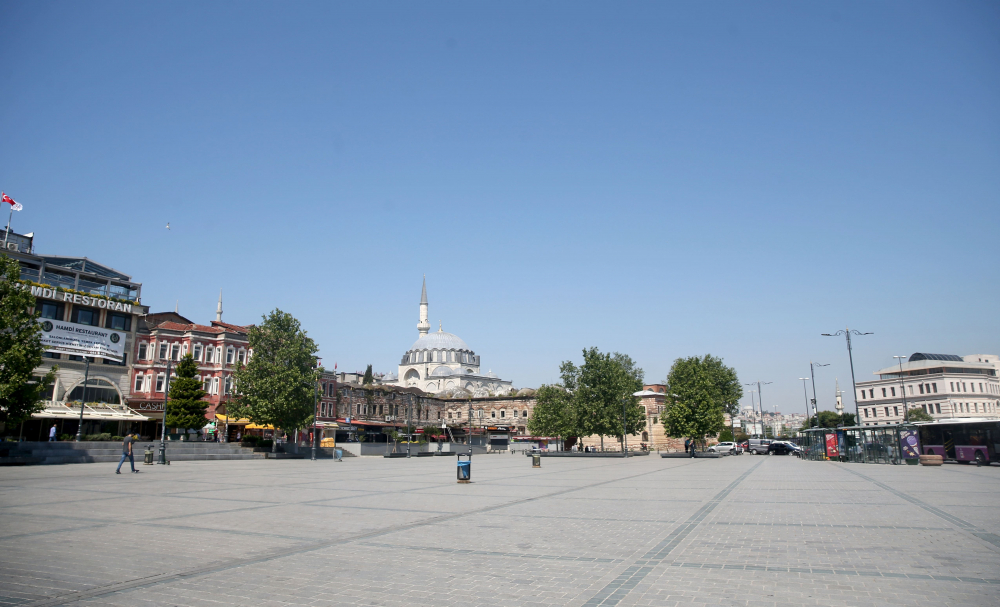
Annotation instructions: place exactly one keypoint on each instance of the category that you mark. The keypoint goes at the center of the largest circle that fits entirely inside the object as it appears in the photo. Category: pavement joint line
(519, 555)
(611, 595)
(831, 525)
(218, 567)
(990, 538)
(832, 571)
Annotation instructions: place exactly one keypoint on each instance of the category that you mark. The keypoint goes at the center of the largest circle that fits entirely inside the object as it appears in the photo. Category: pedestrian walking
(52, 433)
(127, 452)
(687, 444)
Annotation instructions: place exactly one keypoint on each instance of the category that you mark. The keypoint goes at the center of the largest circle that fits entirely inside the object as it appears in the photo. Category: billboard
(82, 340)
(832, 445)
(909, 443)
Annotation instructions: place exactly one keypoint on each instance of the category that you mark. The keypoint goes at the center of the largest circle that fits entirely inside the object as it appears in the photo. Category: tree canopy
(699, 390)
(829, 419)
(21, 391)
(554, 413)
(277, 385)
(186, 408)
(917, 414)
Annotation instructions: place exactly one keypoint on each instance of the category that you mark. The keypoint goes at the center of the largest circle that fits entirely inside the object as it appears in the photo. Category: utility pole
(83, 398)
(854, 384)
(902, 390)
(812, 374)
(163, 432)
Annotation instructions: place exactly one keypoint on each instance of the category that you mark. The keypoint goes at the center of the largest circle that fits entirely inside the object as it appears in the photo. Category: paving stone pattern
(741, 530)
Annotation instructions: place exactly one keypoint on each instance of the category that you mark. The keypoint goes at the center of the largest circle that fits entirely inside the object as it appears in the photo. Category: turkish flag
(8, 199)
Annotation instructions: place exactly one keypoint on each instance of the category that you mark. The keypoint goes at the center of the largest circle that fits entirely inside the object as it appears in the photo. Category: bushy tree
(917, 414)
(554, 413)
(186, 408)
(829, 419)
(604, 385)
(699, 390)
(20, 348)
(277, 385)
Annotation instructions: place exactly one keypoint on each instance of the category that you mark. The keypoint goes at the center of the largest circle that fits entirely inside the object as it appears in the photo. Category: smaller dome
(454, 393)
(526, 392)
(442, 372)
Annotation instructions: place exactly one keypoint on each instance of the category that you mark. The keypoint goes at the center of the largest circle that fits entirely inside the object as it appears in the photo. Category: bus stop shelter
(890, 444)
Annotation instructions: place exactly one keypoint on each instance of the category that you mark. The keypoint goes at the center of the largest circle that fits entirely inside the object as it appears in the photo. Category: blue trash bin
(464, 469)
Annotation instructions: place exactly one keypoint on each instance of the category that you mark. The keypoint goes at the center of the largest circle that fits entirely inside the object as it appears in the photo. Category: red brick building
(217, 348)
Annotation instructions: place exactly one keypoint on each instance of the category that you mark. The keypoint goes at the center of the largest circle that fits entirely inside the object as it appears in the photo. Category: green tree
(829, 419)
(368, 379)
(699, 391)
(186, 408)
(554, 413)
(277, 385)
(604, 387)
(21, 391)
(917, 414)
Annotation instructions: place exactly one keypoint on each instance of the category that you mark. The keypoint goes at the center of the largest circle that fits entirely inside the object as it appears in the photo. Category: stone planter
(931, 460)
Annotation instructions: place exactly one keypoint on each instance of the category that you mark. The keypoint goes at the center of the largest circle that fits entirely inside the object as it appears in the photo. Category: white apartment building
(943, 385)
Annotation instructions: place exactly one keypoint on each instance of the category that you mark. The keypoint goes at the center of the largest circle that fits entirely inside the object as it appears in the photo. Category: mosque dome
(440, 340)
(442, 372)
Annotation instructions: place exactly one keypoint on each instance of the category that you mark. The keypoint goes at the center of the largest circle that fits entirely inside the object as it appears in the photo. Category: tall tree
(699, 391)
(830, 419)
(277, 385)
(604, 387)
(554, 413)
(368, 379)
(21, 392)
(186, 409)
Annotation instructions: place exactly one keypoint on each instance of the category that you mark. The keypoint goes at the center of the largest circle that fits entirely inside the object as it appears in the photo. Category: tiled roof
(241, 329)
(176, 326)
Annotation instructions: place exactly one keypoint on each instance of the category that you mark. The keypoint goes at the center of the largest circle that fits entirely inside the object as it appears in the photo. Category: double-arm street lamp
(760, 402)
(812, 375)
(83, 397)
(805, 393)
(850, 356)
(902, 388)
(163, 432)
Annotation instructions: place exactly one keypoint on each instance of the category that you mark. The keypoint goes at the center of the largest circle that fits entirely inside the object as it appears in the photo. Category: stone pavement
(748, 530)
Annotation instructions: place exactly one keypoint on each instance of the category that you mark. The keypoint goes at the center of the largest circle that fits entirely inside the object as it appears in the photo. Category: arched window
(175, 352)
(645, 437)
(242, 356)
(196, 352)
(99, 390)
(209, 352)
(230, 354)
(143, 350)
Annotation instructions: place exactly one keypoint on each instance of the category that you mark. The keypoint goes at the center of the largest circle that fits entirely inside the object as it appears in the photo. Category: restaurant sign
(77, 298)
(81, 340)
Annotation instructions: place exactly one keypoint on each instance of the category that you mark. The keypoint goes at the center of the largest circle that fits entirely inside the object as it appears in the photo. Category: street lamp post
(409, 435)
(470, 430)
(315, 415)
(83, 398)
(163, 431)
(805, 393)
(812, 374)
(760, 402)
(902, 389)
(847, 333)
(624, 428)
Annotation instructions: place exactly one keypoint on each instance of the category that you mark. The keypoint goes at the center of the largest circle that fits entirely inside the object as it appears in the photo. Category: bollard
(465, 468)
(536, 460)
(147, 457)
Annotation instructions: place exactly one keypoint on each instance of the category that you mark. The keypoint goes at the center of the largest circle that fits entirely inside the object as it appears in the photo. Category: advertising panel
(82, 340)
(909, 443)
(832, 446)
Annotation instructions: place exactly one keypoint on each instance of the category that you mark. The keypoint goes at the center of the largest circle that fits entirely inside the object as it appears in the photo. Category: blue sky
(660, 179)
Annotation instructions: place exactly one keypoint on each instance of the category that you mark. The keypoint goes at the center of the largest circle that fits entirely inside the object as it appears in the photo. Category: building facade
(164, 338)
(442, 363)
(942, 385)
(77, 294)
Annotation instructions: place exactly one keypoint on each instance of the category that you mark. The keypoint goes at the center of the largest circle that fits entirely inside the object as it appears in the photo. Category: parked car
(780, 448)
(758, 446)
(723, 447)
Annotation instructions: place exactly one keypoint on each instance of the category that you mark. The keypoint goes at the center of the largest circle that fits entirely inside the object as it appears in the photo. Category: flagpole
(7, 233)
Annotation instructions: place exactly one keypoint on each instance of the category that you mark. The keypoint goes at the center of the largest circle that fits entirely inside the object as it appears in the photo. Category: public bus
(964, 440)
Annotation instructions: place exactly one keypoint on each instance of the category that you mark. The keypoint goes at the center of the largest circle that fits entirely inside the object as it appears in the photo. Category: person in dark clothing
(687, 445)
(127, 452)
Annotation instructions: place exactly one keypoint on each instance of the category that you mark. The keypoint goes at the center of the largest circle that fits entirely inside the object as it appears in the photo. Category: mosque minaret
(442, 363)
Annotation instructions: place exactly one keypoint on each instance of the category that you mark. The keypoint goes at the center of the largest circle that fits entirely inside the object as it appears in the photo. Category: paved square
(747, 530)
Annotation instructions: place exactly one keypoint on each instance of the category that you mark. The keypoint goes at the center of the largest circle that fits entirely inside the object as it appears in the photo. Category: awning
(222, 419)
(257, 427)
(328, 424)
(91, 412)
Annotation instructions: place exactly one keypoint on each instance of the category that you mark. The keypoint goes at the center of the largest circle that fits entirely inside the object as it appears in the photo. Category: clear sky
(660, 179)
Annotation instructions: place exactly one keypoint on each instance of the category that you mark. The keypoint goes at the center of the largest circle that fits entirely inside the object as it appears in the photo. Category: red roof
(226, 325)
(216, 328)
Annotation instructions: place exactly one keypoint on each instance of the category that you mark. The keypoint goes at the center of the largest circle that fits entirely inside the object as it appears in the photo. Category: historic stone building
(442, 363)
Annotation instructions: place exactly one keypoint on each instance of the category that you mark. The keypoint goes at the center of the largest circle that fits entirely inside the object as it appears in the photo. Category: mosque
(442, 364)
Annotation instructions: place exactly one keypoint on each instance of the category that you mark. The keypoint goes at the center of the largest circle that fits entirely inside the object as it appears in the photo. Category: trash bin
(338, 454)
(536, 459)
(147, 457)
(464, 468)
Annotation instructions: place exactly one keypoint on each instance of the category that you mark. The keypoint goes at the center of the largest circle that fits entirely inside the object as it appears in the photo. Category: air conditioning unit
(390, 418)
(12, 246)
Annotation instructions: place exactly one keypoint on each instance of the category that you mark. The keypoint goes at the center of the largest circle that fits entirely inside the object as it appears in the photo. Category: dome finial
(439, 327)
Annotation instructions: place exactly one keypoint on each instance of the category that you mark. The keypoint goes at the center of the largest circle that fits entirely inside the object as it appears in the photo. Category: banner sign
(832, 448)
(909, 443)
(82, 340)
